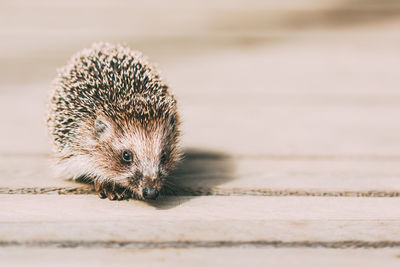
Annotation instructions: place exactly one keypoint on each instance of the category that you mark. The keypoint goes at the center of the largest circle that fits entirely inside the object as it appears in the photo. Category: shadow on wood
(198, 169)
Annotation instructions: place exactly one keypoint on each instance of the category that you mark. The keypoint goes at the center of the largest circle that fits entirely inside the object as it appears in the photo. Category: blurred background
(290, 77)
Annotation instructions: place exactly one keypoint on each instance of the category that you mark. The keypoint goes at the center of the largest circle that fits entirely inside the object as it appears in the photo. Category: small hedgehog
(114, 122)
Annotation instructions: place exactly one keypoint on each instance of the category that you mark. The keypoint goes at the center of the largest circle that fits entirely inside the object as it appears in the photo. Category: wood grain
(199, 257)
(231, 219)
(290, 124)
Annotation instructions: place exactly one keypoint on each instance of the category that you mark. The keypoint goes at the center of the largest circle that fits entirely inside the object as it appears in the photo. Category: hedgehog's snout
(150, 193)
(150, 185)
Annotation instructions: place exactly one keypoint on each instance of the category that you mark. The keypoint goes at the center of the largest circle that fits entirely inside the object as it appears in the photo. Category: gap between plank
(200, 191)
(346, 244)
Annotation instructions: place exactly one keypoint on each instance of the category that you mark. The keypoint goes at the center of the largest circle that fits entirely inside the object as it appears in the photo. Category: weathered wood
(291, 219)
(284, 97)
(254, 130)
(209, 171)
(301, 97)
(198, 257)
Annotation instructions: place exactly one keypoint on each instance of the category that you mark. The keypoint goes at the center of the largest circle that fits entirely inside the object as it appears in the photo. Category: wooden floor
(291, 123)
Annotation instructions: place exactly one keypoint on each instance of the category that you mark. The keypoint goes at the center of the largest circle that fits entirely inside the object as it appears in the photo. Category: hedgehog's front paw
(112, 191)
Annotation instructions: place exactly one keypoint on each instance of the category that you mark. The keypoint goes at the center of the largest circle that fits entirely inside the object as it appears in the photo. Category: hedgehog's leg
(111, 191)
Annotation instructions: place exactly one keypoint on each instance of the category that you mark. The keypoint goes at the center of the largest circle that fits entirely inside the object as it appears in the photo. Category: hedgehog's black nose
(150, 193)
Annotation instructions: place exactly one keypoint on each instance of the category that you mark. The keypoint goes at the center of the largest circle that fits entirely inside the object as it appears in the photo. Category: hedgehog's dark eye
(127, 156)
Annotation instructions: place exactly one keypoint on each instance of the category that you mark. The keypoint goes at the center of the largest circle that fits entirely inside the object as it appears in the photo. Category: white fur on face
(146, 148)
(77, 166)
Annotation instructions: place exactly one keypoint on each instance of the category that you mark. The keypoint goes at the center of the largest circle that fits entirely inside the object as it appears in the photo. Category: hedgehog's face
(134, 157)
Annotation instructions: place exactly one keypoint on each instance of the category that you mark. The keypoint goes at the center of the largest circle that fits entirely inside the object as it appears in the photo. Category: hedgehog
(114, 122)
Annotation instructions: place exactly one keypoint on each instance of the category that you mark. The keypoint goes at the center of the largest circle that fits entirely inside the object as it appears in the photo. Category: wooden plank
(210, 171)
(298, 97)
(27, 218)
(291, 111)
(198, 257)
(29, 171)
(296, 130)
(252, 130)
(225, 16)
(324, 107)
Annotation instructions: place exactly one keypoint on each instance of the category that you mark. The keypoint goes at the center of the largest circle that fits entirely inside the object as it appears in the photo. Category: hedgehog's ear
(102, 127)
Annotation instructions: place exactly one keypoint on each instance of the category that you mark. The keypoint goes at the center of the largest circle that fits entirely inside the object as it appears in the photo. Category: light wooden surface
(201, 219)
(291, 133)
(201, 257)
